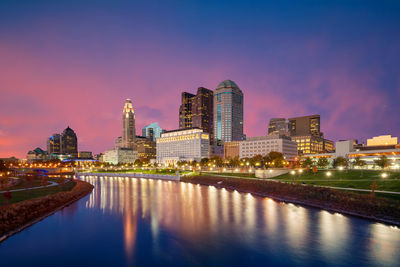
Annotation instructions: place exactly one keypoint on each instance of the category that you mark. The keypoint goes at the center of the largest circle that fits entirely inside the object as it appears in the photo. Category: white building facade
(186, 144)
(262, 145)
(120, 155)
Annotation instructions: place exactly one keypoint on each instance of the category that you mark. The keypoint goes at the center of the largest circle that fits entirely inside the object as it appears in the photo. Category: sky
(73, 63)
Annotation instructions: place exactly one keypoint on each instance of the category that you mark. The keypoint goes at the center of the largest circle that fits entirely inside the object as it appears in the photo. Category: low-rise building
(37, 154)
(231, 149)
(262, 145)
(146, 148)
(185, 144)
(350, 149)
(382, 140)
(120, 155)
(85, 155)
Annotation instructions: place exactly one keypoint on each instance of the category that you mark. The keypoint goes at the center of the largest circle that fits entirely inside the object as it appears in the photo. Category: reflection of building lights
(292, 172)
(328, 173)
(384, 175)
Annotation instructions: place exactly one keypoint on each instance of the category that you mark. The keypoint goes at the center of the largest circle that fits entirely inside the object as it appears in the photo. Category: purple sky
(75, 62)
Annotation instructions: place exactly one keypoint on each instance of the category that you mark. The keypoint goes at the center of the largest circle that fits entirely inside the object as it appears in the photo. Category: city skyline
(298, 67)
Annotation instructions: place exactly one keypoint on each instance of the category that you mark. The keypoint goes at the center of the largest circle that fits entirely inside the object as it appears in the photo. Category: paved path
(362, 190)
(37, 187)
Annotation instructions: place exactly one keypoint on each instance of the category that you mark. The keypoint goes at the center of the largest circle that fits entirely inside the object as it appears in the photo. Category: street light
(384, 175)
(328, 174)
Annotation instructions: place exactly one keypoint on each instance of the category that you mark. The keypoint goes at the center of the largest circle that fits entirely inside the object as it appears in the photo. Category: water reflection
(206, 217)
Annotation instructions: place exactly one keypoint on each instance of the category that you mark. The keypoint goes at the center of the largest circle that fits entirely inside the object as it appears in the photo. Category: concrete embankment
(360, 205)
(132, 175)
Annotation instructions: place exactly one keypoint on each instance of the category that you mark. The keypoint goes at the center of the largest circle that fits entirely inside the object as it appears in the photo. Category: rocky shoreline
(359, 205)
(16, 217)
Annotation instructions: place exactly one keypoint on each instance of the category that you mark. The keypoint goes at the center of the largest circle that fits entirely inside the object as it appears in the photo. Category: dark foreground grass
(35, 193)
(14, 217)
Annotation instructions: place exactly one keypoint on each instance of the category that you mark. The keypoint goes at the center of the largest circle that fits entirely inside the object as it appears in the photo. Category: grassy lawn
(34, 193)
(350, 179)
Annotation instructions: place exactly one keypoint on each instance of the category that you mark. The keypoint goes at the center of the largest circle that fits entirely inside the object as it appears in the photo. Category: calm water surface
(128, 221)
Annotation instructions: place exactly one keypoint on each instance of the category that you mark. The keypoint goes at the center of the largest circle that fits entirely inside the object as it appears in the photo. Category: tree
(359, 163)
(258, 160)
(235, 162)
(314, 169)
(193, 163)
(3, 167)
(204, 162)
(323, 162)
(340, 162)
(274, 159)
(181, 163)
(382, 162)
(307, 163)
(138, 163)
(217, 161)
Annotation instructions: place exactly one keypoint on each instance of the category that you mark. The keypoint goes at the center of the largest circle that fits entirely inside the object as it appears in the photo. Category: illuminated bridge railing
(132, 175)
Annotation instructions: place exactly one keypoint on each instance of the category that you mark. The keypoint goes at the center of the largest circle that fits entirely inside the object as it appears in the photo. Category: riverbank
(17, 216)
(360, 205)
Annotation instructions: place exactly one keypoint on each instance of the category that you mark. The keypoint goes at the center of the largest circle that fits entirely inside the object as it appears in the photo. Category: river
(128, 221)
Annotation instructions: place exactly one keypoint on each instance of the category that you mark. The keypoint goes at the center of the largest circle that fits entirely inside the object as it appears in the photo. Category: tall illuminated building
(306, 131)
(128, 126)
(185, 111)
(278, 126)
(54, 144)
(152, 131)
(69, 142)
(196, 111)
(228, 112)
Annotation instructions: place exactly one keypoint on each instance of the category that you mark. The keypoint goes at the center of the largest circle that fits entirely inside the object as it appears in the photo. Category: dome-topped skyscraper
(128, 125)
(228, 112)
(69, 142)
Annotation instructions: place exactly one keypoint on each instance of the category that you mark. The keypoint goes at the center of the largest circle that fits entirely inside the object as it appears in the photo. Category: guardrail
(132, 175)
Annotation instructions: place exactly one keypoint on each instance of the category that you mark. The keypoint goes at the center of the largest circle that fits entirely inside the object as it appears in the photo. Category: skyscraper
(228, 112)
(54, 144)
(185, 111)
(69, 142)
(196, 111)
(277, 126)
(202, 110)
(128, 125)
(306, 125)
(306, 131)
(152, 131)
